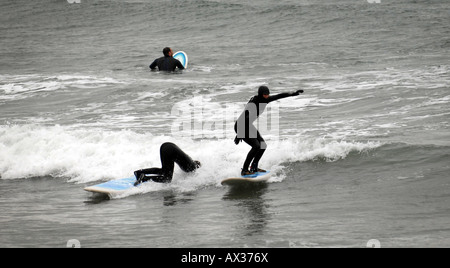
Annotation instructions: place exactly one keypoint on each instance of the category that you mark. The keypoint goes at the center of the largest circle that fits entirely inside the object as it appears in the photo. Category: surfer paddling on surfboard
(248, 133)
(167, 63)
(170, 154)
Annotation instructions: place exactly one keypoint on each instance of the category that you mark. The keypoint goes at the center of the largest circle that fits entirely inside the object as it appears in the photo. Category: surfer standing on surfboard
(247, 132)
(167, 63)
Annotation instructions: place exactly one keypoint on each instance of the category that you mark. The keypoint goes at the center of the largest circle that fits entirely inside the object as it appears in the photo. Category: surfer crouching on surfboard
(247, 132)
(170, 154)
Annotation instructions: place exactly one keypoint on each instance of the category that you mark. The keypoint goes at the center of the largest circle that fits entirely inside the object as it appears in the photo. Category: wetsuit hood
(263, 90)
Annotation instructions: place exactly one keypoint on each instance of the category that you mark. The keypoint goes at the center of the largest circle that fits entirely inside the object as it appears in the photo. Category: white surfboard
(182, 57)
(255, 178)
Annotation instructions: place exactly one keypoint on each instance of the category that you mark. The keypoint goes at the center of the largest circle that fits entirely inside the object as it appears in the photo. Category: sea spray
(87, 155)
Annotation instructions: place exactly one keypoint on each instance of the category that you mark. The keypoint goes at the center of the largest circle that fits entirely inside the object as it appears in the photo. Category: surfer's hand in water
(296, 93)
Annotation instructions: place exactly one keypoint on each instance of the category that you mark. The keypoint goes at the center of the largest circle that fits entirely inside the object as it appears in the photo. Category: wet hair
(166, 51)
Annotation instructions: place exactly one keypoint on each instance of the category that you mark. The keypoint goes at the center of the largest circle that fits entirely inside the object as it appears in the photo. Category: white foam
(22, 86)
(90, 155)
(80, 155)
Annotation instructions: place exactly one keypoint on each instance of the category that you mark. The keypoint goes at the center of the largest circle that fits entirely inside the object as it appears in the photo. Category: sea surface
(361, 158)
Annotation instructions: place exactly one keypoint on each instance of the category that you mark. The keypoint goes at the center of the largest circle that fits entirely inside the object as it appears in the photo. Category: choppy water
(362, 154)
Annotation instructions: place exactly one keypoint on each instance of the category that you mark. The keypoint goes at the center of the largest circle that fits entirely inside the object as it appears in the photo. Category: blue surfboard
(182, 57)
(253, 178)
(114, 187)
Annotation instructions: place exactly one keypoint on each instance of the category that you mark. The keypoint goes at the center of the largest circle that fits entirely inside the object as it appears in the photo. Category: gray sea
(361, 158)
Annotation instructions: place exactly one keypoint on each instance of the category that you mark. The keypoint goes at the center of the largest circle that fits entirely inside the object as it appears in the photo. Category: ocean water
(363, 155)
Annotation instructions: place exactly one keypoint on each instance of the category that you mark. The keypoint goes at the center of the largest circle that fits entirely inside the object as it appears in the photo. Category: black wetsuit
(170, 154)
(166, 63)
(247, 132)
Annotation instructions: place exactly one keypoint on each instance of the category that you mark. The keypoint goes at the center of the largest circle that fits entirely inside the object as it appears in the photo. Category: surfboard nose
(182, 57)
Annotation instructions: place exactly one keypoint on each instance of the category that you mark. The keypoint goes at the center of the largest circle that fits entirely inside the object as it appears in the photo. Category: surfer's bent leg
(169, 154)
(254, 139)
(258, 148)
(157, 174)
(254, 143)
(259, 153)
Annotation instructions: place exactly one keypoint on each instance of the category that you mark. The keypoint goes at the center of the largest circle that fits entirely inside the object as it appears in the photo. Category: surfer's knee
(263, 145)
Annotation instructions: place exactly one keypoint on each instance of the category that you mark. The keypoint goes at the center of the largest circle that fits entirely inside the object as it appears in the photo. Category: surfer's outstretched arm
(283, 95)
